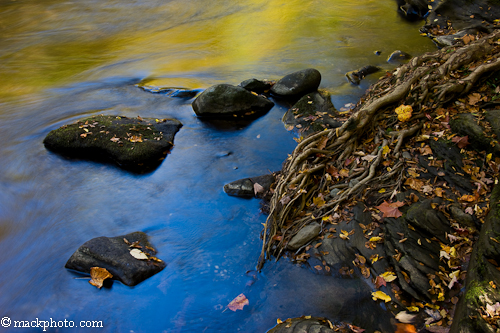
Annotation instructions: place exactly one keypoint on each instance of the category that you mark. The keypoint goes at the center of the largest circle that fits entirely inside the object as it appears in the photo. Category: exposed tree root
(326, 170)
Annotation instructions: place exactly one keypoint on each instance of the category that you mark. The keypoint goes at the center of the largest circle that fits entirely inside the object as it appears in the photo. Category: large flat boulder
(113, 254)
(135, 144)
(225, 100)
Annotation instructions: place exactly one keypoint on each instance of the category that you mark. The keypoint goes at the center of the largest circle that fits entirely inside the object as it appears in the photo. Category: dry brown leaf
(98, 275)
(461, 141)
(474, 98)
(238, 303)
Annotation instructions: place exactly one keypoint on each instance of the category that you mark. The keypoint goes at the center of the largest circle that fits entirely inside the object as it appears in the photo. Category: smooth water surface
(62, 60)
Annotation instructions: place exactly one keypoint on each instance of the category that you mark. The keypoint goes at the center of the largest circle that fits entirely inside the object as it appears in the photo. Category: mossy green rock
(134, 144)
(483, 276)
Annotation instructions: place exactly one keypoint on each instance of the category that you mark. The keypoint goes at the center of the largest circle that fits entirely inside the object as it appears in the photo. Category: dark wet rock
(492, 115)
(177, 92)
(313, 112)
(224, 100)
(463, 14)
(257, 86)
(462, 218)
(298, 83)
(449, 153)
(398, 57)
(246, 187)
(134, 144)
(356, 76)
(466, 124)
(305, 235)
(303, 325)
(413, 9)
(113, 253)
(422, 215)
(483, 276)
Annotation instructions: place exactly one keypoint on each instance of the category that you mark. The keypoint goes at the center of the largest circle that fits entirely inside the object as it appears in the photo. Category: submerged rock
(313, 112)
(398, 57)
(176, 92)
(305, 234)
(225, 100)
(303, 325)
(134, 144)
(257, 86)
(297, 83)
(113, 253)
(356, 76)
(246, 187)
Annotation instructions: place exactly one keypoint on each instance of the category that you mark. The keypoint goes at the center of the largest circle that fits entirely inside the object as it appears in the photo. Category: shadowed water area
(64, 60)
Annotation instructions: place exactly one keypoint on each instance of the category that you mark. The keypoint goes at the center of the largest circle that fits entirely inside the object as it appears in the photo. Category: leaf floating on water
(98, 275)
(381, 295)
(138, 254)
(238, 303)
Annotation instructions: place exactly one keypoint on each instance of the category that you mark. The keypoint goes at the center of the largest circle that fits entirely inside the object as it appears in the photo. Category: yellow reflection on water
(56, 42)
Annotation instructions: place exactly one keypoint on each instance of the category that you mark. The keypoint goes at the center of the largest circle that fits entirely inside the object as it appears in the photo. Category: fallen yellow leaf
(381, 295)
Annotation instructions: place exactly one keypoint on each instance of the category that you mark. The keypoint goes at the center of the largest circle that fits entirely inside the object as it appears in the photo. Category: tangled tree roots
(426, 83)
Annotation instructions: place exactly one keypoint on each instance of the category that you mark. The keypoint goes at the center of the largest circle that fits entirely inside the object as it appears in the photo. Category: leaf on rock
(405, 317)
(379, 282)
(344, 234)
(391, 209)
(138, 254)
(257, 188)
(415, 184)
(115, 139)
(388, 276)
(98, 275)
(135, 138)
(381, 295)
(461, 141)
(238, 303)
(376, 239)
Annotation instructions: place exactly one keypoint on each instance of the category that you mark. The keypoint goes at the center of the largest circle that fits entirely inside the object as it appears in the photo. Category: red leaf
(379, 282)
(391, 209)
(461, 141)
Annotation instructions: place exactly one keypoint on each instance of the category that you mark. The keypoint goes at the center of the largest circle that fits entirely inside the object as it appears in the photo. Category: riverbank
(400, 191)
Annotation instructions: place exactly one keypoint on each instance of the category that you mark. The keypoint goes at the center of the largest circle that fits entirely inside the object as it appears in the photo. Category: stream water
(62, 60)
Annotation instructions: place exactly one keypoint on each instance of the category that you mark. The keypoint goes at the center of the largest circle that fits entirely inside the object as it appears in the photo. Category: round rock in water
(298, 83)
(225, 100)
(113, 253)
